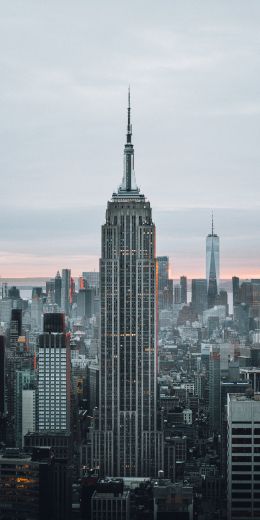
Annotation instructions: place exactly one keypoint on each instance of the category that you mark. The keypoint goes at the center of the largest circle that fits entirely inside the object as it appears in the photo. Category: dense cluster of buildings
(125, 395)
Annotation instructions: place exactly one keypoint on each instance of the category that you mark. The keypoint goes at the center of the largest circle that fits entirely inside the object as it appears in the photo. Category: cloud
(194, 71)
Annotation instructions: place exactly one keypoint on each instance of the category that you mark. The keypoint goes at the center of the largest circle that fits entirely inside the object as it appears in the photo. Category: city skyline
(129, 266)
(20, 264)
(196, 107)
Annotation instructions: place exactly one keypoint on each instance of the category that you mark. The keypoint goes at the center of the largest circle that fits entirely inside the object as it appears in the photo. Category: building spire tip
(129, 96)
(129, 126)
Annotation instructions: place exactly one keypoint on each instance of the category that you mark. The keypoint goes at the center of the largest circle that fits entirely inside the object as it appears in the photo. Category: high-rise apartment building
(54, 377)
(212, 261)
(243, 456)
(126, 441)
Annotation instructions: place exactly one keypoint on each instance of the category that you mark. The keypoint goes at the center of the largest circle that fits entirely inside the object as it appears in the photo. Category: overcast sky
(65, 66)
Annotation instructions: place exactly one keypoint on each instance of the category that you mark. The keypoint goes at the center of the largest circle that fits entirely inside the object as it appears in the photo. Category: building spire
(128, 186)
(129, 126)
(129, 148)
(212, 223)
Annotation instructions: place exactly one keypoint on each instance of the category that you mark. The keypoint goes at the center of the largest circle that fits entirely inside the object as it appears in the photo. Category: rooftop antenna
(129, 126)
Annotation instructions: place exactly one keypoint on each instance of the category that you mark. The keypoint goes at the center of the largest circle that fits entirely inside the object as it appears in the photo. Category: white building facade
(54, 383)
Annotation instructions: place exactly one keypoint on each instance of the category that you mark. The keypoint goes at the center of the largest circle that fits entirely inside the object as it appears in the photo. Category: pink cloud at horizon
(30, 266)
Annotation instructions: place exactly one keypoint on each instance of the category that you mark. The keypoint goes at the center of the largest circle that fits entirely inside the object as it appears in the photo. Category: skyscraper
(57, 288)
(15, 328)
(199, 295)
(183, 284)
(65, 290)
(36, 308)
(125, 440)
(91, 278)
(243, 448)
(214, 390)
(212, 258)
(25, 404)
(54, 377)
(177, 294)
(163, 279)
(163, 272)
(212, 285)
(235, 287)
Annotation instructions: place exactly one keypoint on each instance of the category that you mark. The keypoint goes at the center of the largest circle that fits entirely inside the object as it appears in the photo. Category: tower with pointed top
(125, 440)
(128, 185)
(212, 265)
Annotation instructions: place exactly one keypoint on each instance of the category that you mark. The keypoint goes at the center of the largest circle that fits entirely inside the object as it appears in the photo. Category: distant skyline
(194, 74)
(52, 250)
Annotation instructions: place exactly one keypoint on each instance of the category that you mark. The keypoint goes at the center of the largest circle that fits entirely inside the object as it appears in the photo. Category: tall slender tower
(65, 290)
(212, 265)
(125, 439)
(163, 280)
(57, 289)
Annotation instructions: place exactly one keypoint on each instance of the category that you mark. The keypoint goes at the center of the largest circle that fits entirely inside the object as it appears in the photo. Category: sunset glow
(24, 266)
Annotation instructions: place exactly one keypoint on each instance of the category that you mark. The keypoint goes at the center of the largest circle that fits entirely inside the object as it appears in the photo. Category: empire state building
(125, 440)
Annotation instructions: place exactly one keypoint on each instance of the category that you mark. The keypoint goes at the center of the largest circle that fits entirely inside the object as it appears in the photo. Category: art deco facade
(125, 440)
